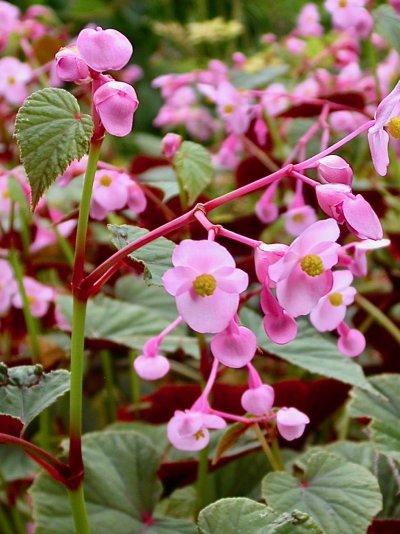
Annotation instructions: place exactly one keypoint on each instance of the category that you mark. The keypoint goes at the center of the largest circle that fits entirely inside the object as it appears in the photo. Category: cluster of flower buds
(97, 51)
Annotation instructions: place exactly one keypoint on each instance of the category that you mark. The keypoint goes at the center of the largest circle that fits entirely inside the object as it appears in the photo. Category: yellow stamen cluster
(393, 127)
(204, 285)
(342, 3)
(228, 108)
(106, 181)
(336, 299)
(199, 434)
(298, 218)
(312, 265)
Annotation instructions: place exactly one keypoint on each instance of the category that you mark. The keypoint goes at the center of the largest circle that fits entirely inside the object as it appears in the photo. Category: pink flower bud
(351, 342)
(235, 346)
(291, 423)
(70, 66)
(170, 144)
(151, 367)
(335, 170)
(258, 401)
(104, 49)
(116, 102)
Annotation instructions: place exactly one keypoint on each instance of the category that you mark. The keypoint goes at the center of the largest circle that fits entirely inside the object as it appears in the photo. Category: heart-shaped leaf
(194, 168)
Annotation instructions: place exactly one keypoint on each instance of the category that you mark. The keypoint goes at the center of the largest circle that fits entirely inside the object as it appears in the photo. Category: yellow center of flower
(336, 299)
(199, 434)
(228, 108)
(393, 127)
(11, 80)
(298, 218)
(205, 285)
(6, 194)
(105, 181)
(31, 300)
(342, 3)
(312, 265)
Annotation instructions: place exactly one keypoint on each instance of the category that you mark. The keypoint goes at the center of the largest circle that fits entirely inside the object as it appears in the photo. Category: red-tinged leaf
(229, 439)
(351, 99)
(385, 526)
(11, 425)
(144, 163)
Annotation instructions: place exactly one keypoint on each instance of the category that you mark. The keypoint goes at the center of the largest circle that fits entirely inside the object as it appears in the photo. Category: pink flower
(136, 198)
(75, 168)
(170, 144)
(338, 202)
(279, 326)
(116, 103)
(104, 49)
(351, 342)
(386, 116)
(331, 309)
(358, 264)
(308, 21)
(70, 66)
(206, 284)
(7, 286)
(13, 80)
(266, 210)
(188, 430)
(266, 255)
(259, 398)
(298, 219)
(335, 170)
(151, 365)
(291, 423)
(39, 296)
(304, 274)
(235, 346)
(109, 193)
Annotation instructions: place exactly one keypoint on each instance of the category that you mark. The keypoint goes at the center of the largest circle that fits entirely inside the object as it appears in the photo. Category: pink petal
(278, 325)
(361, 218)
(104, 49)
(213, 421)
(325, 317)
(352, 343)
(291, 423)
(113, 197)
(258, 401)
(378, 145)
(234, 349)
(231, 280)
(116, 103)
(189, 443)
(204, 256)
(178, 280)
(151, 367)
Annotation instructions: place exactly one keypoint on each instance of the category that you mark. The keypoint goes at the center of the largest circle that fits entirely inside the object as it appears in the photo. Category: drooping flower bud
(170, 144)
(104, 49)
(291, 423)
(116, 103)
(351, 341)
(70, 65)
(151, 365)
(335, 170)
(258, 401)
(235, 346)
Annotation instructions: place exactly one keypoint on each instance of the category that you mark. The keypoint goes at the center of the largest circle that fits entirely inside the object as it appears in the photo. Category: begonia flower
(151, 365)
(304, 273)
(104, 49)
(333, 169)
(266, 209)
(235, 346)
(291, 423)
(351, 341)
(339, 202)
(170, 144)
(279, 326)
(206, 284)
(70, 66)
(7, 286)
(39, 296)
(109, 193)
(259, 398)
(387, 119)
(308, 21)
(298, 219)
(358, 263)
(14, 78)
(331, 309)
(265, 255)
(116, 103)
(189, 430)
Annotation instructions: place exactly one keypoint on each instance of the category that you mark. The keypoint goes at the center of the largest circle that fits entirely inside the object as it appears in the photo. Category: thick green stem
(266, 448)
(379, 317)
(77, 503)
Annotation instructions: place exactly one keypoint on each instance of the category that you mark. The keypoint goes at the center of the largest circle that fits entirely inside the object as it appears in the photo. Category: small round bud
(258, 401)
(116, 103)
(335, 170)
(104, 49)
(291, 423)
(170, 144)
(70, 66)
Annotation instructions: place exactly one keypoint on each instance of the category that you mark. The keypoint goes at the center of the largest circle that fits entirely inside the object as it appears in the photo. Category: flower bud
(291, 423)
(104, 49)
(170, 144)
(351, 341)
(335, 170)
(116, 102)
(258, 401)
(151, 367)
(70, 66)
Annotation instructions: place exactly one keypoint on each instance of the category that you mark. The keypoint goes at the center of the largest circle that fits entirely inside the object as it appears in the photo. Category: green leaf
(387, 24)
(121, 490)
(156, 256)
(194, 168)
(15, 464)
(247, 80)
(310, 350)
(51, 132)
(25, 391)
(382, 405)
(127, 324)
(234, 515)
(341, 496)
(163, 178)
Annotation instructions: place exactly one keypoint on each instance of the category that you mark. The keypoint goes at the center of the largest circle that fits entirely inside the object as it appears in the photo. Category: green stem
(135, 385)
(277, 453)
(379, 317)
(266, 448)
(106, 364)
(18, 522)
(65, 247)
(30, 321)
(5, 524)
(79, 513)
(202, 480)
